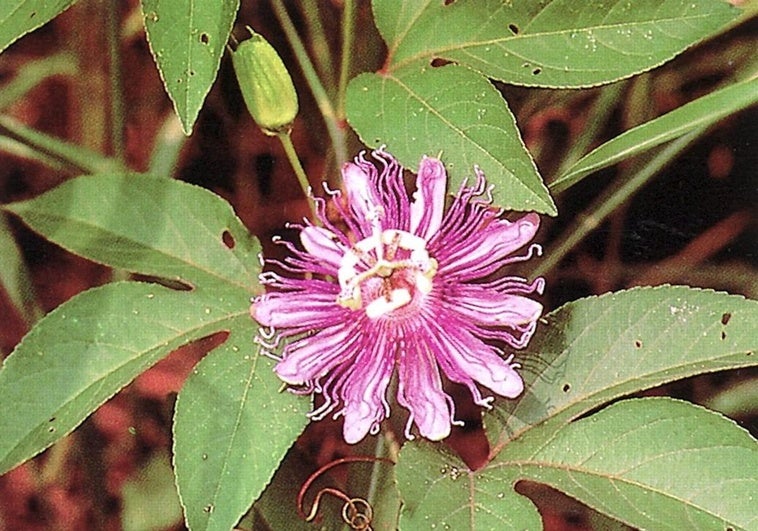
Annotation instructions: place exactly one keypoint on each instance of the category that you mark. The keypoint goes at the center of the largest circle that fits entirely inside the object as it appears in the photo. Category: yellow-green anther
(265, 84)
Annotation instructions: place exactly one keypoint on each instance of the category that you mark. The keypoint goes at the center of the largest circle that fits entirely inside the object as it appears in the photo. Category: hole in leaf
(438, 61)
(566, 388)
(566, 512)
(514, 28)
(228, 239)
(536, 71)
(725, 318)
(448, 2)
(32, 14)
(205, 38)
(51, 429)
(723, 335)
(638, 343)
(167, 376)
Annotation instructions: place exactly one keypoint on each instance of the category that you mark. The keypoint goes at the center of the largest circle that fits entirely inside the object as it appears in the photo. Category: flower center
(386, 270)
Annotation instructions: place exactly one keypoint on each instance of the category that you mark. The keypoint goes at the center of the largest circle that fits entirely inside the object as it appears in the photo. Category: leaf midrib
(432, 110)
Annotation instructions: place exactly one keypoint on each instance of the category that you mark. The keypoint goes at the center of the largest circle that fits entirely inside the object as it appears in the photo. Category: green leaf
(440, 492)
(19, 17)
(452, 110)
(702, 112)
(232, 426)
(187, 39)
(147, 225)
(87, 349)
(653, 463)
(14, 276)
(594, 350)
(558, 43)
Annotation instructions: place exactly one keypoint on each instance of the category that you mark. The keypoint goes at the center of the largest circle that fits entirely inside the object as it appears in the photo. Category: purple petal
(428, 202)
(364, 393)
(463, 357)
(322, 243)
(297, 309)
(490, 308)
(311, 358)
(360, 190)
(493, 245)
(420, 391)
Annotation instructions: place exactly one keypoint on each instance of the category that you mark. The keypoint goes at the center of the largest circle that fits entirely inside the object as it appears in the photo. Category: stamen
(377, 254)
(382, 306)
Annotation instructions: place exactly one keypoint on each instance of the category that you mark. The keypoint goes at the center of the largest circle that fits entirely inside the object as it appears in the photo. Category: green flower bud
(266, 85)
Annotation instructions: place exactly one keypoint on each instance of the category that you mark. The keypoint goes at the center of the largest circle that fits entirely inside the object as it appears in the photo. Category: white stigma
(376, 254)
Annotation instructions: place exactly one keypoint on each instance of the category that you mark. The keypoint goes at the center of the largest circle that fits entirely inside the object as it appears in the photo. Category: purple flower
(401, 283)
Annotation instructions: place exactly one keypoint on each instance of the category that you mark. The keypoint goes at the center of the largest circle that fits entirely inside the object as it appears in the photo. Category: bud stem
(302, 178)
(325, 106)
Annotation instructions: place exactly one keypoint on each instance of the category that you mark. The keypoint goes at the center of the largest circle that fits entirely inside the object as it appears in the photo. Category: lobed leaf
(440, 492)
(147, 225)
(701, 112)
(87, 349)
(19, 17)
(187, 39)
(653, 463)
(594, 350)
(553, 43)
(418, 112)
(232, 426)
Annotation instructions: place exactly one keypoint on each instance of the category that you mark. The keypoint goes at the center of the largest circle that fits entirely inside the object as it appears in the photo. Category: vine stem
(348, 23)
(320, 45)
(336, 134)
(302, 178)
(117, 118)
